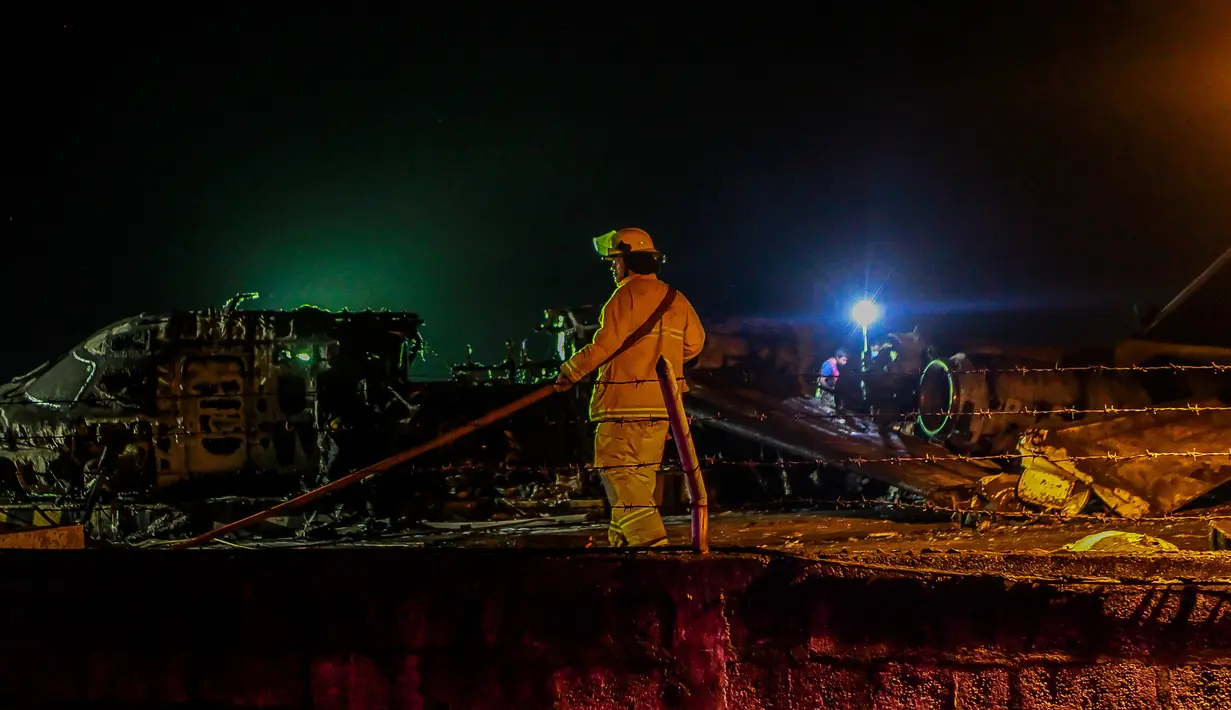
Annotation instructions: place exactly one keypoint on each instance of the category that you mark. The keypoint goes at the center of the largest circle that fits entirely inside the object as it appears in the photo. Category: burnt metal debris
(1136, 487)
(160, 426)
(162, 413)
(1054, 425)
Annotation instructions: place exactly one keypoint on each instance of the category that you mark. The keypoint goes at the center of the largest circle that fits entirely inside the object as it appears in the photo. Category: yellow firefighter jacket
(627, 387)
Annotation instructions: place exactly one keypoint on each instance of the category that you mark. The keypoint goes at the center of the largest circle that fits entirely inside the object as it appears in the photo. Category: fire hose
(679, 427)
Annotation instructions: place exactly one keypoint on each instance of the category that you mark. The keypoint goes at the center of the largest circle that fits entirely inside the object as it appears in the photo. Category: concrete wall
(447, 631)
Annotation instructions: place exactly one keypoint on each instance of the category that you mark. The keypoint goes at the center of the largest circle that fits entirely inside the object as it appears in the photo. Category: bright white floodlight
(865, 313)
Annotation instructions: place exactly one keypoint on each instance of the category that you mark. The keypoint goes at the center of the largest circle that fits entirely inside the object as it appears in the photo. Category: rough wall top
(344, 629)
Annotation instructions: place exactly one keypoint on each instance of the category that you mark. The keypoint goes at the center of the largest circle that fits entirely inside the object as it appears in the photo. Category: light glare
(865, 313)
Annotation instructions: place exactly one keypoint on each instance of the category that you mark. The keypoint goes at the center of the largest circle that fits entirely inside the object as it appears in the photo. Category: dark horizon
(974, 163)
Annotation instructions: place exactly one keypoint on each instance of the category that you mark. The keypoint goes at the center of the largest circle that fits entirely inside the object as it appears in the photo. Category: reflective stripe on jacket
(627, 387)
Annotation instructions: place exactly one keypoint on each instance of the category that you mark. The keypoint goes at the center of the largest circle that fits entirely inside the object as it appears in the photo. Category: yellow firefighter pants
(628, 455)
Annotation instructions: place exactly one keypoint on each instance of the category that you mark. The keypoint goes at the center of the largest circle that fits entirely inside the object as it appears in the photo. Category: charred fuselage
(193, 404)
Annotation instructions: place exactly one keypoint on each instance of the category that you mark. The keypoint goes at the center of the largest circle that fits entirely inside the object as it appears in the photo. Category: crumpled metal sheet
(999, 493)
(1138, 486)
(803, 428)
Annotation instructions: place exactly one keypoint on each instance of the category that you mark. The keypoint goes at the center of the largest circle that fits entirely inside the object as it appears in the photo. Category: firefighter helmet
(625, 241)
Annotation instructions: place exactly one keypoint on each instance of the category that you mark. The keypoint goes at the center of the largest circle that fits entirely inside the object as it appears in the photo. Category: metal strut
(1189, 290)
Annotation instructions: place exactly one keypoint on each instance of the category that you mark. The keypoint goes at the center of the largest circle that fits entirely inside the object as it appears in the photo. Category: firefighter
(627, 401)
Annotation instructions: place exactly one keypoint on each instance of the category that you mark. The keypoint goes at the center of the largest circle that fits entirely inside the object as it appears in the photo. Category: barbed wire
(161, 430)
(1171, 367)
(931, 507)
(145, 427)
(715, 460)
(822, 504)
(926, 507)
(1214, 367)
(160, 427)
(1191, 408)
(464, 382)
(393, 403)
(1196, 409)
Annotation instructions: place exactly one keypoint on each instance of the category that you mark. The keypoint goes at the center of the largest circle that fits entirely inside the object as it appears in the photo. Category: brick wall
(447, 631)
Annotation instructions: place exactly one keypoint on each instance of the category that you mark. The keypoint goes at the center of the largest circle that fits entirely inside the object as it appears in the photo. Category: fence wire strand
(463, 382)
(161, 429)
(169, 424)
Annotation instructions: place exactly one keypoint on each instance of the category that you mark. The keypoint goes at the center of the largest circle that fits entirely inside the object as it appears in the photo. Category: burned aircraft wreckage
(162, 425)
(153, 416)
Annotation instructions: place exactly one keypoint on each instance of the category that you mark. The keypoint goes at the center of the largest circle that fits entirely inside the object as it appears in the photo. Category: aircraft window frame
(91, 369)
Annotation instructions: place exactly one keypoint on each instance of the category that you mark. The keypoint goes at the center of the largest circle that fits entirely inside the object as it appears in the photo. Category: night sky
(1035, 167)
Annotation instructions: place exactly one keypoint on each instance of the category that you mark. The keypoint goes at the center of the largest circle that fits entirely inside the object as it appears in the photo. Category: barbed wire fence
(169, 423)
(161, 426)
(165, 425)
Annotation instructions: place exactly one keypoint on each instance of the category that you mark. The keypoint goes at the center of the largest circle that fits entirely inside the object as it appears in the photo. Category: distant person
(827, 384)
(642, 321)
(881, 357)
(830, 369)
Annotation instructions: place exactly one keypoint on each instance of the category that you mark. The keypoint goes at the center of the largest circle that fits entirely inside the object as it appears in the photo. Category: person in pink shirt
(827, 384)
